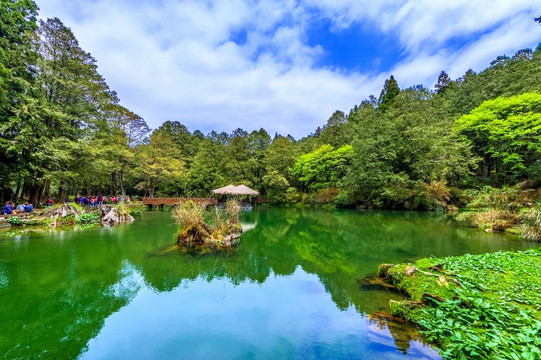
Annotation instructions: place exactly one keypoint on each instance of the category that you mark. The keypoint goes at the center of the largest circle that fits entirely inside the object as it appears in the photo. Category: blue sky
(284, 65)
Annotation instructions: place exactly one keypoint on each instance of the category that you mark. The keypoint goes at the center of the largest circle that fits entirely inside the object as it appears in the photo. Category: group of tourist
(100, 200)
(10, 208)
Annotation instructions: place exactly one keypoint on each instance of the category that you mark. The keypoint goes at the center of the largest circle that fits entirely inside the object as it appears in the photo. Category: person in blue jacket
(7, 209)
(28, 207)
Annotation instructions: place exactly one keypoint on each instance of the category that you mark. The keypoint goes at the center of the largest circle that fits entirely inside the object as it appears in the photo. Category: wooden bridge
(176, 201)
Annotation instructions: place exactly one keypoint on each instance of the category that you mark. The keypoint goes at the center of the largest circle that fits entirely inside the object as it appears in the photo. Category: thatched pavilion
(241, 191)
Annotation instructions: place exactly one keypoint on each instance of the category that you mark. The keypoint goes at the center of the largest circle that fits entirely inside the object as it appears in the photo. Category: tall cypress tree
(443, 82)
(389, 92)
(17, 114)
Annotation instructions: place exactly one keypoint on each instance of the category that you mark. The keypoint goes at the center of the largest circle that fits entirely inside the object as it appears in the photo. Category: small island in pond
(199, 227)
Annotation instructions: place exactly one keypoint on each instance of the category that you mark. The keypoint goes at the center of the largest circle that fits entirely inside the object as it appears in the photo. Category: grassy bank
(474, 306)
(514, 209)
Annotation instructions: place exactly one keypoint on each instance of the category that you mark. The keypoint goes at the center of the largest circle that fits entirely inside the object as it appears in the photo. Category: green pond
(288, 291)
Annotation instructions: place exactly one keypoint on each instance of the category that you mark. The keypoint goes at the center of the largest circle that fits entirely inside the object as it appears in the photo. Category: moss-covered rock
(474, 306)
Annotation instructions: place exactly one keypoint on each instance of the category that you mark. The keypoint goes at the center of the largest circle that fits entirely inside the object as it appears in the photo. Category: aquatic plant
(491, 310)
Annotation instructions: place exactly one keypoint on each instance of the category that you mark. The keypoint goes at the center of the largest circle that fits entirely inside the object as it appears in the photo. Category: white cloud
(175, 60)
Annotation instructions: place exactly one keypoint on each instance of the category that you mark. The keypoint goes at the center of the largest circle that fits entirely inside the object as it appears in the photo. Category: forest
(64, 133)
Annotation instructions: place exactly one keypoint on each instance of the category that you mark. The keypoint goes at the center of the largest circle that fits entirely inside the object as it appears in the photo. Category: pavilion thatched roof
(245, 190)
(241, 190)
(226, 190)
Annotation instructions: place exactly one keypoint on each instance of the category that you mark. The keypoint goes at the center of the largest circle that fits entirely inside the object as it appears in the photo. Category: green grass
(494, 312)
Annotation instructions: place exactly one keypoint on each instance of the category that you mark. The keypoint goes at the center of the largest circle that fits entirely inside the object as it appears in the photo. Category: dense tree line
(63, 132)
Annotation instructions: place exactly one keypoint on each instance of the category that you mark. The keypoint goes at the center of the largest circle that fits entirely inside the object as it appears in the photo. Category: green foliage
(209, 168)
(88, 218)
(507, 198)
(493, 314)
(337, 132)
(324, 167)
(19, 111)
(292, 196)
(232, 209)
(506, 133)
(63, 132)
(77, 207)
(281, 156)
(15, 221)
(129, 209)
(506, 209)
(188, 214)
(160, 166)
(276, 186)
(389, 92)
(326, 196)
(386, 169)
(443, 82)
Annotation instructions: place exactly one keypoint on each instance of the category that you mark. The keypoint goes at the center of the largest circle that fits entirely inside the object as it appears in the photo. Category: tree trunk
(4, 196)
(89, 188)
(27, 188)
(19, 186)
(34, 195)
(61, 192)
(121, 182)
(113, 185)
(47, 189)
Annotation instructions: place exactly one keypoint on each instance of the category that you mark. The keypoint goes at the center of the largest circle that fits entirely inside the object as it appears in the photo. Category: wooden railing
(176, 201)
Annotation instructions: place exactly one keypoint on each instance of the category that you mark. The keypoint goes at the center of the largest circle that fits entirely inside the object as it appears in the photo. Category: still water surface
(289, 290)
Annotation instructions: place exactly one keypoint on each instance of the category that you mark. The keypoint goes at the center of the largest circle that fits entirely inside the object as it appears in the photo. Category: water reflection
(58, 291)
(391, 335)
(338, 246)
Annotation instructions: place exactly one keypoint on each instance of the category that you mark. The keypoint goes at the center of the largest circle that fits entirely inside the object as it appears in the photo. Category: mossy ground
(491, 306)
